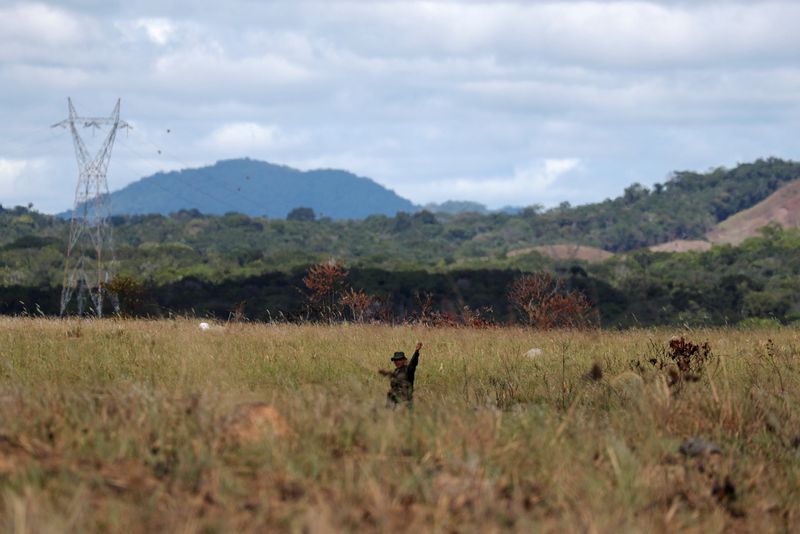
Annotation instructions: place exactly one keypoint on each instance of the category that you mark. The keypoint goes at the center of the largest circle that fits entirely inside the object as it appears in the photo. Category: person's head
(399, 359)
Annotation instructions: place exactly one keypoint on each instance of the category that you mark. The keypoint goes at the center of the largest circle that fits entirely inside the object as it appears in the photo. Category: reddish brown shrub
(682, 362)
(325, 281)
(131, 295)
(690, 358)
(546, 302)
(425, 303)
(361, 305)
(479, 318)
(236, 314)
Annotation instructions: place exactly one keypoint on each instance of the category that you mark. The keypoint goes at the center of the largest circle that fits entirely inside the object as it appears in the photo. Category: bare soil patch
(566, 251)
(682, 245)
(781, 207)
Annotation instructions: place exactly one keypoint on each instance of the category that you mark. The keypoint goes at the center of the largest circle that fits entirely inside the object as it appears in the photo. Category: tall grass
(124, 426)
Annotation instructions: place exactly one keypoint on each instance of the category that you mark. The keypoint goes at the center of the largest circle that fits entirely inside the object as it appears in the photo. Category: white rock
(534, 352)
(204, 326)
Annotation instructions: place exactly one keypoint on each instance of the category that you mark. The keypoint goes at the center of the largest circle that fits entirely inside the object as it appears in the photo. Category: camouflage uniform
(401, 383)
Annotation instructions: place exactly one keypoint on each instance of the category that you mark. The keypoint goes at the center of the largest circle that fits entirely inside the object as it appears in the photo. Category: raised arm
(415, 358)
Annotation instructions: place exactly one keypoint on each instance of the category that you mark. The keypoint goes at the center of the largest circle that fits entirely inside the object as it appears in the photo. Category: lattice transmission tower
(89, 261)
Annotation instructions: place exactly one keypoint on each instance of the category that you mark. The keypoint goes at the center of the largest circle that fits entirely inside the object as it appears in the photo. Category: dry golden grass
(132, 426)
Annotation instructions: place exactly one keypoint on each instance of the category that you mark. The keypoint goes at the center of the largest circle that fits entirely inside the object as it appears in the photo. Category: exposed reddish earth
(682, 245)
(566, 251)
(781, 207)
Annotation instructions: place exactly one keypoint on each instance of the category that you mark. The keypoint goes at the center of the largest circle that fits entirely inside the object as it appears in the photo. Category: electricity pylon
(89, 261)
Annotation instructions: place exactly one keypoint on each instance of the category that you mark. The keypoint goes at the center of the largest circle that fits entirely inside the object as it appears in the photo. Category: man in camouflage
(401, 379)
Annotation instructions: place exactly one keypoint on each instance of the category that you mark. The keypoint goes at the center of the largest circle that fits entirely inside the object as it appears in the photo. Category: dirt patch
(129, 475)
(781, 207)
(565, 251)
(251, 421)
(682, 245)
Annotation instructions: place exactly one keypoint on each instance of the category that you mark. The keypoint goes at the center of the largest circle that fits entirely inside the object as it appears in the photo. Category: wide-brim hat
(399, 356)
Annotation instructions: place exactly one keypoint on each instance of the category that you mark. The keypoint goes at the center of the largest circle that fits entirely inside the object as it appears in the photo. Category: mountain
(258, 188)
(677, 214)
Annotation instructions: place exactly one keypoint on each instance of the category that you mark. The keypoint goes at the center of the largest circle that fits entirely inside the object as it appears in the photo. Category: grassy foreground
(133, 426)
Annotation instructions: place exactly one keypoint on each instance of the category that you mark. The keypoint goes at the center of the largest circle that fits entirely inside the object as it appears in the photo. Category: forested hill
(467, 259)
(258, 188)
(686, 206)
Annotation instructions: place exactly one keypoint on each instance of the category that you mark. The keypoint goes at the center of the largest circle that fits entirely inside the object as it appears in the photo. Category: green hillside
(685, 207)
(217, 253)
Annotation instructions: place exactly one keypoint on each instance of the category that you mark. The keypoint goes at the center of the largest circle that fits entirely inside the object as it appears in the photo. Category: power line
(137, 174)
(190, 185)
(22, 138)
(162, 152)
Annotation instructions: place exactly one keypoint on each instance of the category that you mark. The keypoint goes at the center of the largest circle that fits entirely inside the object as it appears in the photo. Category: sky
(504, 103)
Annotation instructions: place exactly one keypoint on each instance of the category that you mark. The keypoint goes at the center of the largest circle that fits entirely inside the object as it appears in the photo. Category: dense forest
(190, 261)
(726, 285)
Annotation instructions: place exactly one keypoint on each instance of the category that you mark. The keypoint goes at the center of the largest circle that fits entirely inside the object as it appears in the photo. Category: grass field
(140, 426)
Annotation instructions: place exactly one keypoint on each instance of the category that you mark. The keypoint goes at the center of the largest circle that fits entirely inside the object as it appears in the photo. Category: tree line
(758, 280)
(193, 263)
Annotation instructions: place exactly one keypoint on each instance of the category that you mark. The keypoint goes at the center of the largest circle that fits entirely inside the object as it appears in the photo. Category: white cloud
(19, 178)
(433, 98)
(529, 184)
(244, 138)
(624, 33)
(359, 162)
(537, 178)
(159, 31)
(57, 77)
(39, 23)
(10, 172)
(208, 68)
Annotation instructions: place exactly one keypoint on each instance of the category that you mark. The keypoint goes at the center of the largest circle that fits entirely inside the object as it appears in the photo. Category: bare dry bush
(429, 316)
(325, 282)
(479, 318)
(424, 302)
(236, 314)
(362, 306)
(682, 361)
(690, 358)
(131, 295)
(546, 302)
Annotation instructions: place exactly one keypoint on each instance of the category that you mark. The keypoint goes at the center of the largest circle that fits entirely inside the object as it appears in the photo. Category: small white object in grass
(204, 326)
(534, 352)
